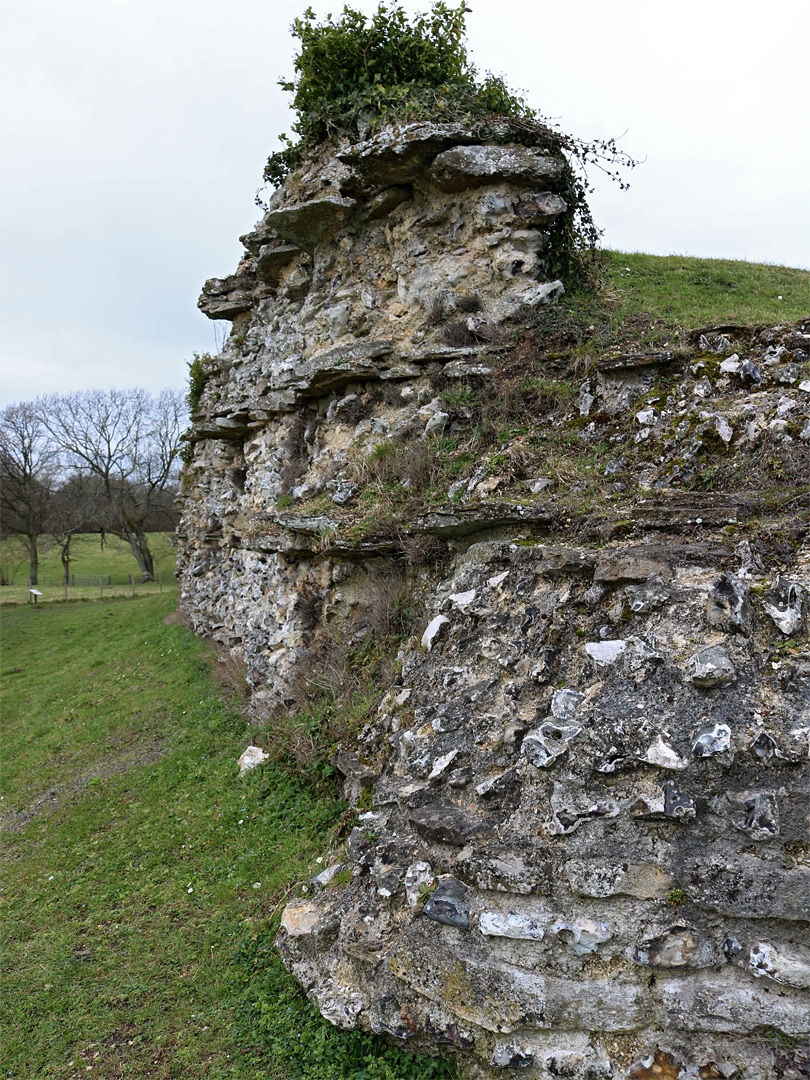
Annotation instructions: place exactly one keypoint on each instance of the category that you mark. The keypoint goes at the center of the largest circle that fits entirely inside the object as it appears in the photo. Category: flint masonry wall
(587, 848)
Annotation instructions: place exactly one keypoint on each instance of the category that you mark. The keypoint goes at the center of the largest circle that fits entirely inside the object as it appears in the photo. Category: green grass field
(143, 878)
(88, 559)
(689, 293)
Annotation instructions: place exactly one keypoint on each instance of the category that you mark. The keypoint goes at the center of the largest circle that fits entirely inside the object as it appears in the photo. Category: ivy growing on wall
(355, 73)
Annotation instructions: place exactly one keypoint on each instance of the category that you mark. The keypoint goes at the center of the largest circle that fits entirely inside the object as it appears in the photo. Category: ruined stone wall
(582, 844)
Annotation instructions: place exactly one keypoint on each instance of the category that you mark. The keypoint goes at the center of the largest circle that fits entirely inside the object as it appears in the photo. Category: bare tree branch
(28, 467)
(129, 442)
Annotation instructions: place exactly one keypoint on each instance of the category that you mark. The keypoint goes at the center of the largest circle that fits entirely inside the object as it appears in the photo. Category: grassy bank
(143, 878)
(656, 301)
(687, 293)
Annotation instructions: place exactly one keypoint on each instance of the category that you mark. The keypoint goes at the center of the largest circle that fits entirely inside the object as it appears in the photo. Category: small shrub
(197, 378)
(459, 335)
(355, 73)
(469, 303)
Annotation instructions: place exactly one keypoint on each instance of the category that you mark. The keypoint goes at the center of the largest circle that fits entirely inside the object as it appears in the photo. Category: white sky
(134, 135)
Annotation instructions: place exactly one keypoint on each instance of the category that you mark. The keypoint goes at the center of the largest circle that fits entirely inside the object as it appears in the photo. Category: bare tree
(129, 442)
(28, 465)
(74, 510)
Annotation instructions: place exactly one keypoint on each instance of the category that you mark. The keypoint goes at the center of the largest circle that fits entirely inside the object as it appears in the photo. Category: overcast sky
(135, 132)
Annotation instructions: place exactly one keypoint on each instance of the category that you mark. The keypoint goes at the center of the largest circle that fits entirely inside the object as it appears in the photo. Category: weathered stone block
(472, 166)
(307, 224)
(448, 824)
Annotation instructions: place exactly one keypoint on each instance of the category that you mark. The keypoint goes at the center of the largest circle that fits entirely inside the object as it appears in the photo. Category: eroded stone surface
(472, 166)
(586, 851)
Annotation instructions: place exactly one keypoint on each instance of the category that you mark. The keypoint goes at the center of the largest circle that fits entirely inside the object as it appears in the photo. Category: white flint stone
(785, 605)
(731, 365)
(546, 743)
(664, 756)
(497, 580)
(462, 599)
(489, 785)
(436, 424)
(513, 925)
(539, 484)
(584, 935)
(441, 763)
(565, 704)
(541, 293)
(711, 667)
(714, 741)
(434, 629)
(786, 964)
(320, 881)
(253, 756)
(723, 429)
(605, 652)
(418, 876)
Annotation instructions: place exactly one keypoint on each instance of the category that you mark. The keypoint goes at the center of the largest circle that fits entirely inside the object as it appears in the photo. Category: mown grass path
(142, 876)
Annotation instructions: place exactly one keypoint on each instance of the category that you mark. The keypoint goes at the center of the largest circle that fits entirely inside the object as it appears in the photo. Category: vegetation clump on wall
(355, 74)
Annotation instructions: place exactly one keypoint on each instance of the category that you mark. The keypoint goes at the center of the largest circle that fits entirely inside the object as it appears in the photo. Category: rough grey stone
(729, 605)
(447, 823)
(401, 153)
(448, 904)
(784, 602)
(711, 667)
(512, 924)
(472, 166)
(306, 224)
(337, 356)
(714, 1003)
(602, 878)
(714, 741)
(555, 561)
(679, 946)
(272, 260)
(225, 298)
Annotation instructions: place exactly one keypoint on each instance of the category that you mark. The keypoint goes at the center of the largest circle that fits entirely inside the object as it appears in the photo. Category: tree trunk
(136, 538)
(33, 560)
(64, 555)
